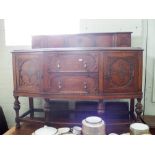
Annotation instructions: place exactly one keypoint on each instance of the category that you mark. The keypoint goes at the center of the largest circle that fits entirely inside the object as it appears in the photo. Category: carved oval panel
(120, 72)
(29, 71)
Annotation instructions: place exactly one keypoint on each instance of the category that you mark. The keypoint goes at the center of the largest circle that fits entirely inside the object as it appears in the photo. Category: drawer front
(72, 84)
(121, 72)
(72, 62)
(28, 72)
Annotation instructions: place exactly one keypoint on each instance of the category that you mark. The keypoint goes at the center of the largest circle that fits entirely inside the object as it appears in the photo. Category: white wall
(6, 79)
(150, 67)
(6, 98)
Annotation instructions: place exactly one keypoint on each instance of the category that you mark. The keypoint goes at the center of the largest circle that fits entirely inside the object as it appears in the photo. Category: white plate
(46, 130)
(139, 126)
(63, 130)
(93, 119)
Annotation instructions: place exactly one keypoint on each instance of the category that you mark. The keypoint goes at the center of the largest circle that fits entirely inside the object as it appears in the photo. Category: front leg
(17, 108)
(31, 107)
(139, 109)
(100, 108)
(47, 109)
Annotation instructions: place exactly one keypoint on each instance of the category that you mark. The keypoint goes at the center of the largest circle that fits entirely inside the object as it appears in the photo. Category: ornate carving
(29, 72)
(120, 71)
(139, 109)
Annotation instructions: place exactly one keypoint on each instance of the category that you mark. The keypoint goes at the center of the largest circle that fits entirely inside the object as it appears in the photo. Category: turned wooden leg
(132, 109)
(31, 107)
(139, 109)
(47, 110)
(100, 108)
(132, 105)
(17, 107)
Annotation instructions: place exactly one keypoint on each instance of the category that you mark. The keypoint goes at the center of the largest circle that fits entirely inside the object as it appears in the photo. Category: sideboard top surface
(94, 33)
(113, 49)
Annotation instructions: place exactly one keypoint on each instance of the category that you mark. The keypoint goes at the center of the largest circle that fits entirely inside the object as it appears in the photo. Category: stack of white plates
(139, 129)
(93, 125)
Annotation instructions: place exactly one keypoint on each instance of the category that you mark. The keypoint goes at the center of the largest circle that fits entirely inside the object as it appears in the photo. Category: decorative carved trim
(121, 72)
(30, 75)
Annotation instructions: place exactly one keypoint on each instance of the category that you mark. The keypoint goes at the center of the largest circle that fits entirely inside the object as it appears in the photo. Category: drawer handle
(107, 76)
(85, 85)
(58, 66)
(133, 74)
(80, 59)
(59, 84)
(85, 65)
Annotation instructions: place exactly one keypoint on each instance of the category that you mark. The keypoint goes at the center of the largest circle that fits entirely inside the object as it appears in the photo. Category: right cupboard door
(120, 70)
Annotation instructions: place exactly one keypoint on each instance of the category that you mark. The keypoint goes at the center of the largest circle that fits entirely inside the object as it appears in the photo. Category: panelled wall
(153, 93)
(150, 69)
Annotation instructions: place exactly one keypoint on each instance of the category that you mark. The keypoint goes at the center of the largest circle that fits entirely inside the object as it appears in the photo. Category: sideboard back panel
(119, 39)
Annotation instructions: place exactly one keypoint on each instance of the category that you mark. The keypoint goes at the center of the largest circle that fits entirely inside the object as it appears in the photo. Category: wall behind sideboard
(150, 69)
(6, 79)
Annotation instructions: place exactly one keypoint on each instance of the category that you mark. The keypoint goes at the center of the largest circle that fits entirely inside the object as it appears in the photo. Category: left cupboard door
(28, 72)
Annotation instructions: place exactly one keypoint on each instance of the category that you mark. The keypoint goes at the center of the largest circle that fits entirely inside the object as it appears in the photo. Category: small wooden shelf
(116, 119)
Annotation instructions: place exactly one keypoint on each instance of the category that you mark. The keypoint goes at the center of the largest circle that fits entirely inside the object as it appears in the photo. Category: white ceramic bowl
(139, 129)
(93, 120)
(46, 130)
(93, 125)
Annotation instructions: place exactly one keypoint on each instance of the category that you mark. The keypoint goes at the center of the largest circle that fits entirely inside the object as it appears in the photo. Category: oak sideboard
(78, 67)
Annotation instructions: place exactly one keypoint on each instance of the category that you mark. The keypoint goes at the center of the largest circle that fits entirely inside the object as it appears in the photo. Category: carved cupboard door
(28, 69)
(120, 72)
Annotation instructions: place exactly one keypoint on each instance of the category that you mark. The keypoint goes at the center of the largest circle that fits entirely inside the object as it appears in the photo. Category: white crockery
(139, 129)
(93, 125)
(63, 130)
(93, 120)
(76, 130)
(46, 130)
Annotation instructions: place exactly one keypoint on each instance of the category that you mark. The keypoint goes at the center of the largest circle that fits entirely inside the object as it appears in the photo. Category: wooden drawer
(72, 83)
(72, 62)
